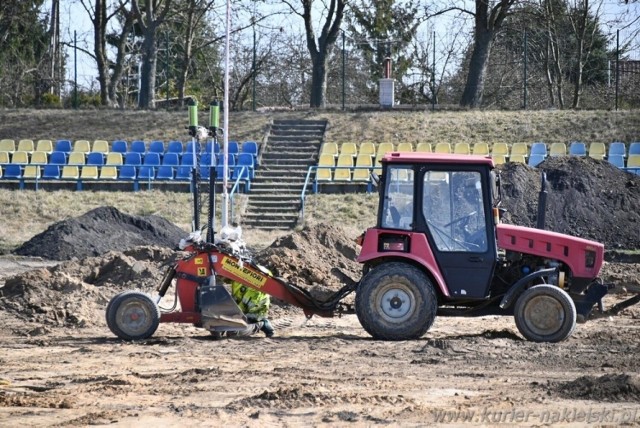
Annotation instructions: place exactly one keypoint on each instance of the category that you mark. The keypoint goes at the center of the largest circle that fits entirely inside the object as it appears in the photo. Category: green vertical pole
(193, 127)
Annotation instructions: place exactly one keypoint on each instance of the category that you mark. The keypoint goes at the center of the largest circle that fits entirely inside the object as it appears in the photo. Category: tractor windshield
(397, 210)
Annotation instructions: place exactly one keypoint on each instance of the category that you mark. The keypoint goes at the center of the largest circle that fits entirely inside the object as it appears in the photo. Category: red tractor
(438, 248)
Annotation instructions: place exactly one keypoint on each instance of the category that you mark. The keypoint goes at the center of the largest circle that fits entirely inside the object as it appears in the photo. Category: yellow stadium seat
(481, 149)
(7, 145)
(348, 149)
(328, 161)
(404, 147)
(26, 145)
(558, 149)
(31, 172)
(597, 150)
(82, 146)
(367, 149)
(100, 146)
(461, 148)
(517, 158)
(114, 158)
(500, 149)
(520, 149)
(634, 162)
(110, 172)
(39, 158)
(20, 157)
(443, 148)
(76, 158)
(499, 159)
(383, 149)
(423, 147)
(44, 146)
(4, 157)
(70, 172)
(362, 160)
(343, 174)
(329, 149)
(89, 172)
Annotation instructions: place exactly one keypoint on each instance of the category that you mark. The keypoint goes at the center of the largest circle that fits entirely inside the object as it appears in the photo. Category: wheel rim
(134, 317)
(396, 303)
(544, 315)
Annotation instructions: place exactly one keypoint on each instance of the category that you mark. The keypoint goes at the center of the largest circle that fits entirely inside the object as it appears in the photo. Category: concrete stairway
(274, 201)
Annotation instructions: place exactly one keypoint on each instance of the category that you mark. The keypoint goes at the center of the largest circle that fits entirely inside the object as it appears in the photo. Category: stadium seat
(404, 147)
(362, 161)
(499, 159)
(138, 146)
(349, 149)
(51, 172)
(70, 172)
(234, 148)
(634, 148)
(535, 159)
(133, 158)
(76, 158)
(171, 159)
(44, 146)
(58, 158)
(63, 146)
(151, 159)
(207, 160)
(166, 172)
(20, 157)
(633, 163)
(423, 147)
(220, 166)
(597, 151)
(156, 146)
(95, 158)
(120, 146)
(520, 149)
(146, 173)
(5, 157)
(383, 149)
(577, 148)
(250, 147)
(539, 148)
(183, 172)
(517, 158)
(616, 160)
(558, 149)
(244, 167)
(481, 149)
(39, 158)
(7, 145)
(461, 148)
(26, 145)
(212, 147)
(500, 149)
(12, 172)
(89, 172)
(443, 148)
(328, 161)
(367, 148)
(31, 172)
(329, 149)
(175, 147)
(110, 170)
(191, 145)
(343, 174)
(100, 146)
(114, 158)
(127, 172)
(82, 146)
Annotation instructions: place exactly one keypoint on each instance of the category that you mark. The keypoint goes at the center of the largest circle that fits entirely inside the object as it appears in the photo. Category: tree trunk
(474, 87)
(100, 50)
(148, 70)
(319, 81)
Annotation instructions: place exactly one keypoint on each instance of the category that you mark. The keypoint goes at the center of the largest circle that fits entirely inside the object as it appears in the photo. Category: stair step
(295, 138)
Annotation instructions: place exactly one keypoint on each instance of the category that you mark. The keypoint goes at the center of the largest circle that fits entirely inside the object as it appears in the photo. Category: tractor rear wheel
(545, 313)
(396, 301)
(133, 315)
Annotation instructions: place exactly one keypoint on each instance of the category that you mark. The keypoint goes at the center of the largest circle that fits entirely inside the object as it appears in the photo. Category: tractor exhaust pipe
(542, 202)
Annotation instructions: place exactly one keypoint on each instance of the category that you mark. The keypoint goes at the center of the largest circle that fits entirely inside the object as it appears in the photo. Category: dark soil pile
(310, 258)
(585, 197)
(610, 387)
(75, 293)
(98, 231)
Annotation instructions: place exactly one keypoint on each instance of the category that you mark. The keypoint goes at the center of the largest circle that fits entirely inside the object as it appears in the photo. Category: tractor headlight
(589, 258)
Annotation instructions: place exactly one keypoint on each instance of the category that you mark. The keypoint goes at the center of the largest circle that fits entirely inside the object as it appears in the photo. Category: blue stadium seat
(634, 148)
(165, 172)
(616, 160)
(220, 166)
(138, 146)
(617, 148)
(63, 146)
(535, 159)
(95, 158)
(191, 145)
(152, 159)
(58, 158)
(207, 160)
(175, 147)
(539, 148)
(187, 159)
(12, 171)
(247, 173)
(146, 172)
(183, 173)
(120, 146)
(51, 172)
(156, 147)
(171, 159)
(212, 147)
(577, 148)
(234, 148)
(133, 158)
(127, 172)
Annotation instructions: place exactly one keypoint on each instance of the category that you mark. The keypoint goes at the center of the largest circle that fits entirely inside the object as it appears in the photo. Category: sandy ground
(319, 372)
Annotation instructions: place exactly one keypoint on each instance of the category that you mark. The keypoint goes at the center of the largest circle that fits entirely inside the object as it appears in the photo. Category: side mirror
(375, 179)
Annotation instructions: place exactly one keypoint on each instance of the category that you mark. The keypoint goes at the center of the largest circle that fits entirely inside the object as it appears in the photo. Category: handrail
(235, 186)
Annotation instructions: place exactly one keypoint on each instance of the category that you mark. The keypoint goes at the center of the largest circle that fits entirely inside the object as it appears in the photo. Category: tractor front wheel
(396, 301)
(133, 315)
(545, 313)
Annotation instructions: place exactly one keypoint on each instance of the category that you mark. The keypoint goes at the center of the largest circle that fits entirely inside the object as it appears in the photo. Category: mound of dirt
(610, 387)
(75, 293)
(585, 197)
(98, 231)
(310, 257)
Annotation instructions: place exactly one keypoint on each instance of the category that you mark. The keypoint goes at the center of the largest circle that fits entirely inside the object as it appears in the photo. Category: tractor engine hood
(583, 257)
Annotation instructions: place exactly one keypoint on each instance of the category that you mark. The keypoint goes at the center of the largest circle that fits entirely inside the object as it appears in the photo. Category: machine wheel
(396, 301)
(545, 313)
(133, 315)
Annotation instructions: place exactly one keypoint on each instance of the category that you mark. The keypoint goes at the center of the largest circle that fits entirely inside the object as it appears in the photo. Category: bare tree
(584, 29)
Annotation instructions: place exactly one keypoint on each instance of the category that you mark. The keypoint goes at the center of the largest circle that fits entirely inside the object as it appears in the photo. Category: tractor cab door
(454, 211)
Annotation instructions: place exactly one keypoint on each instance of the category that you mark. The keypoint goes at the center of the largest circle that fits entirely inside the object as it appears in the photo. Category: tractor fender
(519, 286)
